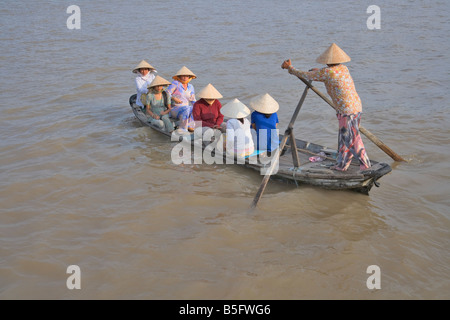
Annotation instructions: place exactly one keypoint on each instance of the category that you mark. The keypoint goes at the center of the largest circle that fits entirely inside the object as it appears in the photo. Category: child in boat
(265, 121)
(239, 140)
(158, 104)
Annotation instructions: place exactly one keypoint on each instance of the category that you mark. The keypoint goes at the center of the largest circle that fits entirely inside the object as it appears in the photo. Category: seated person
(206, 111)
(158, 104)
(145, 75)
(183, 96)
(239, 141)
(265, 122)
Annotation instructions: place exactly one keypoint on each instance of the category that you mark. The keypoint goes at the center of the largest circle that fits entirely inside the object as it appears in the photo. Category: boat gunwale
(363, 180)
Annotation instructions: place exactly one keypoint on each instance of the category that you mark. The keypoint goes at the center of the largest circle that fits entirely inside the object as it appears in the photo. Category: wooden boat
(311, 173)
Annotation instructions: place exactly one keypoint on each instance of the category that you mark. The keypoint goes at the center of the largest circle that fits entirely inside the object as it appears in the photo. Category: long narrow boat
(311, 173)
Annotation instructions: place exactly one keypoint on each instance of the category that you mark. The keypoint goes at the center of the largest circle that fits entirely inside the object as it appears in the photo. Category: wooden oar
(276, 157)
(364, 131)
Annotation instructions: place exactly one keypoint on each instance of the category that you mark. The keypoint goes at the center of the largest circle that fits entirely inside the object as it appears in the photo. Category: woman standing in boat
(183, 94)
(146, 74)
(206, 111)
(158, 104)
(340, 87)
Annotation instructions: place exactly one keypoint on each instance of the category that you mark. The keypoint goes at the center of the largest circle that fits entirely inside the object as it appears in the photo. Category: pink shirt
(339, 85)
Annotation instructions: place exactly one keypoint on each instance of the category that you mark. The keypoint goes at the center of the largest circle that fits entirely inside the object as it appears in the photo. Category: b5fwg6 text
(245, 309)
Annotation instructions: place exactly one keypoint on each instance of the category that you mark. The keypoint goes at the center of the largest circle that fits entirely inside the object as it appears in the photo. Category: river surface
(83, 183)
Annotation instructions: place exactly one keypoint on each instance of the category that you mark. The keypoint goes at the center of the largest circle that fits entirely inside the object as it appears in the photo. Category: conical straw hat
(264, 104)
(159, 81)
(184, 72)
(235, 109)
(333, 55)
(143, 64)
(209, 92)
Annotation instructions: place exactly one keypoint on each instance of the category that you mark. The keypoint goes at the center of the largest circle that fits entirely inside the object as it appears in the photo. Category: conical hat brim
(159, 81)
(264, 104)
(143, 64)
(333, 55)
(235, 109)
(185, 72)
(209, 92)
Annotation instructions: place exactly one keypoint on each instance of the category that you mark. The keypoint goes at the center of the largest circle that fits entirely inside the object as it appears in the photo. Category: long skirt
(350, 143)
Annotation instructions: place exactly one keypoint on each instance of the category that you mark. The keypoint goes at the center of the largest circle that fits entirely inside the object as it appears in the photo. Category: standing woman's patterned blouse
(339, 85)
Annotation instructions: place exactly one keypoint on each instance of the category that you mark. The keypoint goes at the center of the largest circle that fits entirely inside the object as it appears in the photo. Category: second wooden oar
(364, 131)
(276, 157)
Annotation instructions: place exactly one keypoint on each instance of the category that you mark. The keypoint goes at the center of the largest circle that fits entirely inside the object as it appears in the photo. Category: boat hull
(310, 173)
